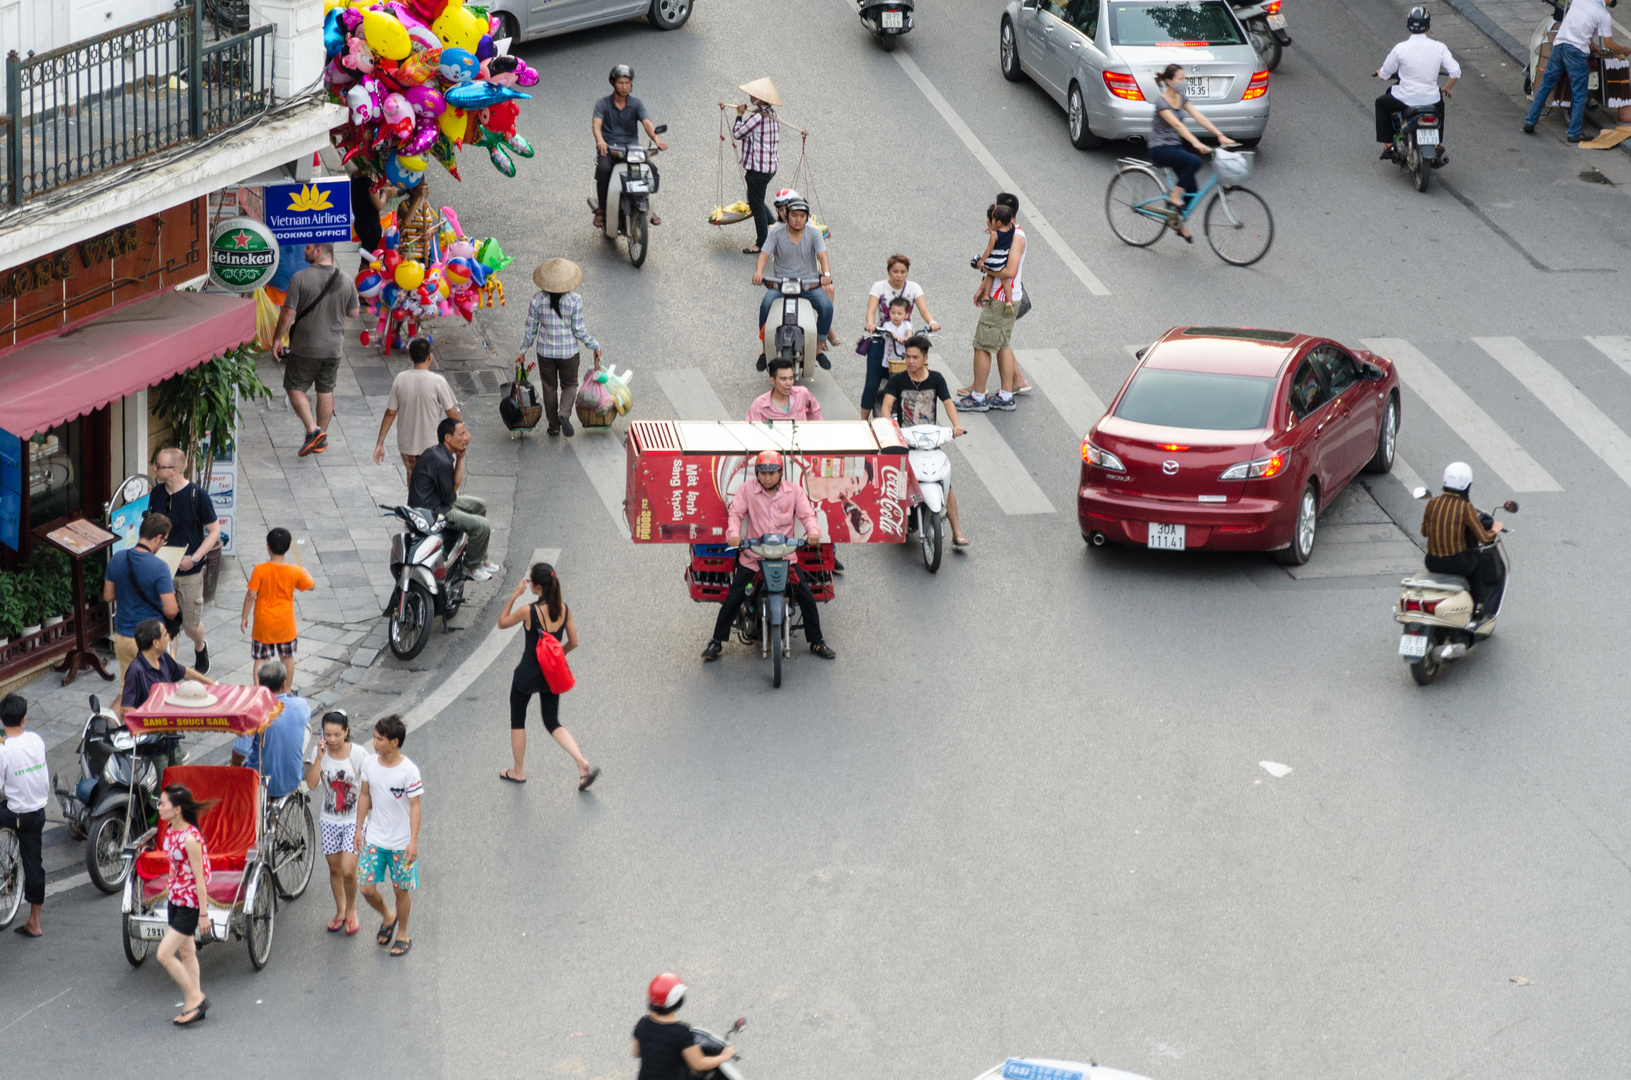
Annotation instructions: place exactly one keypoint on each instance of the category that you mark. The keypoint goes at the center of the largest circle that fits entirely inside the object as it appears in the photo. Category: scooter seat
(1441, 582)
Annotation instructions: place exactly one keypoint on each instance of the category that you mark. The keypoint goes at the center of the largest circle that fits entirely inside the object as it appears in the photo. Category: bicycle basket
(1231, 167)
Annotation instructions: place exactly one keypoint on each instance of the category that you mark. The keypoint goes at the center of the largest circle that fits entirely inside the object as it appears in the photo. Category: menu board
(80, 537)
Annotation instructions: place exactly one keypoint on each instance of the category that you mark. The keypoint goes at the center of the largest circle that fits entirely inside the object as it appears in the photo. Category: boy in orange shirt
(271, 592)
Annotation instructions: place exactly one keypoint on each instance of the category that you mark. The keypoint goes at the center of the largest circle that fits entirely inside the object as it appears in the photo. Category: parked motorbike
(427, 560)
(764, 619)
(713, 1045)
(111, 760)
(932, 470)
(887, 19)
(632, 185)
(1418, 146)
(1265, 24)
(1437, 610)
(788, 338)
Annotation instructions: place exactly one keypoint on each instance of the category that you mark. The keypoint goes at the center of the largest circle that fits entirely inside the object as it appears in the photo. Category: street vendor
(785, 400)
(768, 506)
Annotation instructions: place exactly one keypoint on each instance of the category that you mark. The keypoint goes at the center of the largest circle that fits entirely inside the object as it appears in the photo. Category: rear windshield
(1164, 22)
(1197, 399)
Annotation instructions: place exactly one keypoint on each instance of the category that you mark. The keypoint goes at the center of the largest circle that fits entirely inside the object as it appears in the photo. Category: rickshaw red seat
(223, 886)
(231, 826)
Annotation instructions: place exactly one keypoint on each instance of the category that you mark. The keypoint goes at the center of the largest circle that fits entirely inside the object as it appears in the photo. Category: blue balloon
(481, 95)
(333, 34)
(458, 66)
(388, 296)
(402, 178)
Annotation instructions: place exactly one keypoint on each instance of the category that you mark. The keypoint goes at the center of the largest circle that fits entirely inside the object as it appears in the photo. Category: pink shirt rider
(768, 512)
(801, 405)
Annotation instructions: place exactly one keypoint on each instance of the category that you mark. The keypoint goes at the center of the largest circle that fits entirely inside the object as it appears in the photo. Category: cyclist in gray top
(1167, 138)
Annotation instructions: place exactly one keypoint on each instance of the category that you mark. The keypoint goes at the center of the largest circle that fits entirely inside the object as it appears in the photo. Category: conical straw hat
(558, 276)
(763, 89)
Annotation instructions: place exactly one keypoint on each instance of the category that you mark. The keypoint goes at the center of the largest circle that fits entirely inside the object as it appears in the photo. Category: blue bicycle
(1237, 221)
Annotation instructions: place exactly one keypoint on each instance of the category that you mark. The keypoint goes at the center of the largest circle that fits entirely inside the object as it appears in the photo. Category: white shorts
(338, 838)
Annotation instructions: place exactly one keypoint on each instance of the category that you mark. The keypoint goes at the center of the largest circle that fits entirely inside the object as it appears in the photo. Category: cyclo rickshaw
(259, 848)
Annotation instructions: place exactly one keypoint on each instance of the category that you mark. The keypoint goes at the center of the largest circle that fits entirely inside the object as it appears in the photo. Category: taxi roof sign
(1020, 1069)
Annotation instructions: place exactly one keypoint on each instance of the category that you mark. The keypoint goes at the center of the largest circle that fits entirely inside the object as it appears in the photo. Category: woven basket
(596, 418)
(730, 219)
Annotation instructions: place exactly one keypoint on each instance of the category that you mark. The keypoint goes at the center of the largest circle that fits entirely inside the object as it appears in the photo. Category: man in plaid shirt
(759, 132)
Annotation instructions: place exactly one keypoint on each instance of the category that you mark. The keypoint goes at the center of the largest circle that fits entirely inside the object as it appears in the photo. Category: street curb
(1475, 15)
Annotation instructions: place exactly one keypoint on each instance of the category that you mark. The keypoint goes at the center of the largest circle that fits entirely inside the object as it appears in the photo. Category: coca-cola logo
(891, 507)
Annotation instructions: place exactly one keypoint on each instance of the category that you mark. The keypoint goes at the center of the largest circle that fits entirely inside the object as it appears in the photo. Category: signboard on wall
(243, 254)
(223, 493)
(315, 212)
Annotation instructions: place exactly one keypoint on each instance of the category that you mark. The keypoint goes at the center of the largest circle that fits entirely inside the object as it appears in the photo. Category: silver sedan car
(527, 19)
(1099, 59)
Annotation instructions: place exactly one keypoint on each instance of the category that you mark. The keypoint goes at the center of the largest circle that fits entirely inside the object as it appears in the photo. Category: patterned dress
(183, 887)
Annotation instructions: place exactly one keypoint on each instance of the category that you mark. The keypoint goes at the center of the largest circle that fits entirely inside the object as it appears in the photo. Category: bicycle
(293, 844)
(11, 875)
(1237, 221)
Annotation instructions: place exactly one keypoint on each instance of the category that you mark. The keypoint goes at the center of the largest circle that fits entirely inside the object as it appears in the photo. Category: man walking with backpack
(320, 300)
(194, 529)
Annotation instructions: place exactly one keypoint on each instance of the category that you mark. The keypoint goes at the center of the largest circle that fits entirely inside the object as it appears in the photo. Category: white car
(524, 20)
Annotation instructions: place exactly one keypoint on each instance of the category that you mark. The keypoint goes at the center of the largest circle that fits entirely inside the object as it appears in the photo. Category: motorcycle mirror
(1511, 506)
(660, 128)
(1419, 493)
(741, 1022)
(96, 706)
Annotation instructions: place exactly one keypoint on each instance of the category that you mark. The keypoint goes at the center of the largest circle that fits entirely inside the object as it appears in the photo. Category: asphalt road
(1023, 813)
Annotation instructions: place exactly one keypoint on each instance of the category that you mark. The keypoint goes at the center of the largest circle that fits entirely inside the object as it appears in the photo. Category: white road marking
(995, 462)
(81, 878)
(835, 403)
(1617, 349)
(476, 663)
(1474, 426)
(604, 459)
(691, 396)
(1406, 475)
(1557, 393)
(1065, 388)
(1047, 232)
(36, 1008)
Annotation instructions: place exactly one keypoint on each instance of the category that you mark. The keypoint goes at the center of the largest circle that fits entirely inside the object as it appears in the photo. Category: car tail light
(1123, 86)
(1272, 8)
(1426, 607)
(1170, 446)
(1104, 459)
(1261, 469)
(1257, 87)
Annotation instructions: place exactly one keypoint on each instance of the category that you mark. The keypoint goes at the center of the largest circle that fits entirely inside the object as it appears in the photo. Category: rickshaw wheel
(258, 920)
(294, 848)
(135, 947)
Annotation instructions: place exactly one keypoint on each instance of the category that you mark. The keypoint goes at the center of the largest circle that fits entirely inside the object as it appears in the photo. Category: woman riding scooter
(1454, 528)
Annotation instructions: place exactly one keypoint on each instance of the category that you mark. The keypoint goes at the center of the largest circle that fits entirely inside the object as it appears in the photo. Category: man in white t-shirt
(1571, 59)
(26, 783)
(419, 399)
(389, 839)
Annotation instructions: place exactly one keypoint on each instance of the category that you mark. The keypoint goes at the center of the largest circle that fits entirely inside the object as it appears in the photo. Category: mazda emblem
(1170, 467)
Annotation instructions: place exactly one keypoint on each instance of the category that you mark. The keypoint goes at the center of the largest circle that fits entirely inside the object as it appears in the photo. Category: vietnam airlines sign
(314, 212)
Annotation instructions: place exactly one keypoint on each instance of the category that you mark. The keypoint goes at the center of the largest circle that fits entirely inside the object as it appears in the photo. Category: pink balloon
(426, 100)
(453, 220)
(423, 136)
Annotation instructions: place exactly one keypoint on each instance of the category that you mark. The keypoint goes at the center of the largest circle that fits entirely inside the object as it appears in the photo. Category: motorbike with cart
(259, 847)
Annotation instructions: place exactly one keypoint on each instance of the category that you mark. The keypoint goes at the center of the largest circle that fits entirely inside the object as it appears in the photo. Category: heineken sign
(243, 254)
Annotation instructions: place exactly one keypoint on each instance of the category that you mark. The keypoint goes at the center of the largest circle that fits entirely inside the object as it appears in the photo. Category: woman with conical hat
(759, 133)
(555, 320)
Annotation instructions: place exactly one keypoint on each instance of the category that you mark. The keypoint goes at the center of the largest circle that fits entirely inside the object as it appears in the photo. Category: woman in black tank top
(550, 616)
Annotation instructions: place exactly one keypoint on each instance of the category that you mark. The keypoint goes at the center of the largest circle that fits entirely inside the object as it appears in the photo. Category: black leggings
(549, 706)
(757, 183)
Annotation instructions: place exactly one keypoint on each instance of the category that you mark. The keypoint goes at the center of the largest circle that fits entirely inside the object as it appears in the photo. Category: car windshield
(1197, 22)
(1197, 399)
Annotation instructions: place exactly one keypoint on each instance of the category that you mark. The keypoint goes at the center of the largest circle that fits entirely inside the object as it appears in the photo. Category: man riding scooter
(795, 251)
(1416, 61)
(758, 508)
(1455, 528)
(616, 124)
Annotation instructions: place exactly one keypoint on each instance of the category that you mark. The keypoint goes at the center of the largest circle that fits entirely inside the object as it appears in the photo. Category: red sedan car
(1235, 440)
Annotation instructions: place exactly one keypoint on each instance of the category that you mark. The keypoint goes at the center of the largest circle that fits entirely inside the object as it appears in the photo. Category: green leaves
(203, 403)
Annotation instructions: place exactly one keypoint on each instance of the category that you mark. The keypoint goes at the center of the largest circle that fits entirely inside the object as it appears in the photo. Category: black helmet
(621, 71)
(1418, 21)
(796, 204)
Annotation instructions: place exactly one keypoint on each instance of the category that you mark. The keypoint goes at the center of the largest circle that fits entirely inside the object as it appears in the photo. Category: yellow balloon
(386, 36)
(453, 123)
(412, 162)
(410, 274)
(459, 28)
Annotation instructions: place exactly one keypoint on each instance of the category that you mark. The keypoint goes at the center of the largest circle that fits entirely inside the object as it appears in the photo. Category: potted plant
(56, 584)
(31, 595)
(202, 405)
(11, 609)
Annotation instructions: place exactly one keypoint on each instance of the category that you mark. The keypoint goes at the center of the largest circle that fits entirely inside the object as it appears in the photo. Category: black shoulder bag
(172, 624)
(307, 310)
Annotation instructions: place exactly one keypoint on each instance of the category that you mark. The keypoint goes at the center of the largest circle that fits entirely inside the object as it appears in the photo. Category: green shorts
(992, 332)
(376, 863)
(300, 372)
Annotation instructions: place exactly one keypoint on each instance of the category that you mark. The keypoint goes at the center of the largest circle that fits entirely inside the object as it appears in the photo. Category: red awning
(49, 381)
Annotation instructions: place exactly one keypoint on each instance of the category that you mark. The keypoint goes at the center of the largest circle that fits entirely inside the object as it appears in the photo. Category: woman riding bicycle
(1168, 136)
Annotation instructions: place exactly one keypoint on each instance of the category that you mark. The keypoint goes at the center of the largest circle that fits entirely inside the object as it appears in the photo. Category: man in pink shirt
(784, 400)
(766, 505)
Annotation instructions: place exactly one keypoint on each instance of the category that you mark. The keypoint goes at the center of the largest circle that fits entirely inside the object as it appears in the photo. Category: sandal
(336, 923)
(385, 933)
(750, 251)
(198, 1012)
(655, 220)
(401, 948)
(353, 925)
(960, 543)
(585, 781)
(600, 221)
(504, 774)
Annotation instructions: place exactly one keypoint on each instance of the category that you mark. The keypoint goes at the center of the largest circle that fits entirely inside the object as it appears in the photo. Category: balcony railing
(109, 100)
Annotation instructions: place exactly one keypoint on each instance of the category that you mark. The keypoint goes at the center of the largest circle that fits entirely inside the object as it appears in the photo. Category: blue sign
(1019, 1069)
(315, 212)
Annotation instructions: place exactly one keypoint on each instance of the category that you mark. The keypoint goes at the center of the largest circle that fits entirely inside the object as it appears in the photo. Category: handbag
(552, 658)
(1024, 305)
(863, 344)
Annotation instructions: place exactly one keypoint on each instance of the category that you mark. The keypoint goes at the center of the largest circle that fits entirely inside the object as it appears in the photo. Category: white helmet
(785, 196)
(1457, 476)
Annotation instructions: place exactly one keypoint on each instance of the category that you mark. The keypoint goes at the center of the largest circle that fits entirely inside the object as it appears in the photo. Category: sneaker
(820, 649)
(566, 426)
(314, 439)
(711, 653)
(970, 403)
(1006, 404)
(1575, 138)
(480, 573)
(491, 567)
(763, 363)
(1528, 128)
(201, 660)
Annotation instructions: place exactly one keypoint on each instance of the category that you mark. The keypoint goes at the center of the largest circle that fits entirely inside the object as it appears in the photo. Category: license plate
(1413, 646)
(1198, 88)
(150, 931)
(892, 20)
(1426, 137)
(1277, 22)
(1167, 537)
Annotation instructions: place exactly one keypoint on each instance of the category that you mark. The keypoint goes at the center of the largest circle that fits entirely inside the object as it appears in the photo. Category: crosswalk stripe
(1617, 349)
(604, 459)
(1475, 427)
(691, 396)
(1407, 476)
(1065, 389)
(1589, 423)
(835, 404)
(995, 462)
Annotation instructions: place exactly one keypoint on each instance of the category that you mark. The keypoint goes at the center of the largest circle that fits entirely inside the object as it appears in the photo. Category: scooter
(427, 560)
(932, 470)
(1418, 146)
(887, 19)
(712, 1045)
(797, 326)
(111, 759)
(632, 185)
(1437, 610)
(1265, 26)
(764, 619)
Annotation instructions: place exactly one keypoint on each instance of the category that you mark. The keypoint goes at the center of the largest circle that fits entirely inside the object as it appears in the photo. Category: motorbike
(1418, 146)
(111, 761)
(887, 19)
(1437, 610)
(764, 620)
(634, 181)
(790, 337)
(713, 1045)
(427, 560)
(1265, 26)
(932, 470)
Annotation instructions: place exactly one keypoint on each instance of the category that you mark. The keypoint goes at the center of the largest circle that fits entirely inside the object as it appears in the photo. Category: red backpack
(552, 658)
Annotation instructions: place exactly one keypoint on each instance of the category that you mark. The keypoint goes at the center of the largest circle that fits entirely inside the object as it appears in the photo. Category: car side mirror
(1419, 493)
(1371, 373)
(1510, 506)
(660, 128)
(1139, 355)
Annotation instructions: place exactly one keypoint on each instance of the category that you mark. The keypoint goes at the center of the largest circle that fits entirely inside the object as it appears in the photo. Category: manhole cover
(475, 383)
(1592, 176)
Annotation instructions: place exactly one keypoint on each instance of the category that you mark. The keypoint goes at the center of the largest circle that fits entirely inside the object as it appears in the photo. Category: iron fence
(109, 100)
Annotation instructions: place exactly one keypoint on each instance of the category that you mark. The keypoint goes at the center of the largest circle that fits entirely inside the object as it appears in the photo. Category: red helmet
(767, 460)
(666, 991)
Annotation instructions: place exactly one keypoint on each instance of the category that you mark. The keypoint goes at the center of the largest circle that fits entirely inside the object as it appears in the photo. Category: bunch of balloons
(422, 78)
(455, 276)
